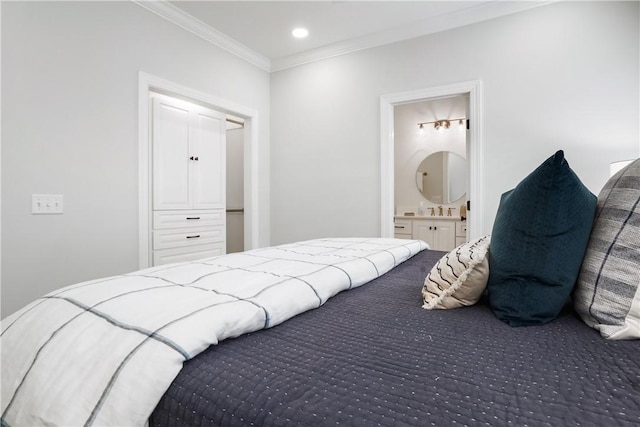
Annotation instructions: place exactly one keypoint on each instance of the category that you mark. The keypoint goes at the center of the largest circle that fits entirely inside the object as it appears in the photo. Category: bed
(537, 324)
(372, 356)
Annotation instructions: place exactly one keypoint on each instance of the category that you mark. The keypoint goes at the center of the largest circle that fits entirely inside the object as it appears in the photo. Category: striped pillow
(607, 293)
(459, 278)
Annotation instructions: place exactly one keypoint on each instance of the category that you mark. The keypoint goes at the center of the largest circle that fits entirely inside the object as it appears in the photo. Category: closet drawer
(166, 256)
(181, 237)
(180, 219)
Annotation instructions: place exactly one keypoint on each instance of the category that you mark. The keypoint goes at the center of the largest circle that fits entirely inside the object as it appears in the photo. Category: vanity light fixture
(443, 124)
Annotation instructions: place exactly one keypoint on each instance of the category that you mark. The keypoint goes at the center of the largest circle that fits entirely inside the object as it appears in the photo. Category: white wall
(561, 76)
(69, 116)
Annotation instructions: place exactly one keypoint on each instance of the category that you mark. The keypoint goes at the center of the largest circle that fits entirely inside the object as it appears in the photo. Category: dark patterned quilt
(372, 356)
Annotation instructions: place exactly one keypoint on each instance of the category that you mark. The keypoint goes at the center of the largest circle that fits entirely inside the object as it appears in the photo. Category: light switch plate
(46, 204)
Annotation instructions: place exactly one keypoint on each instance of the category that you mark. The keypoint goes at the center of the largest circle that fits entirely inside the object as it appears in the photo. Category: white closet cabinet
(189, 174)
(188, 156)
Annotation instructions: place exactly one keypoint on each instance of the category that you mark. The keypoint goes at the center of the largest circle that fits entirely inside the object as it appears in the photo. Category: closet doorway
(472, 90)
(235, 184)
(250, 197)
(188, 180)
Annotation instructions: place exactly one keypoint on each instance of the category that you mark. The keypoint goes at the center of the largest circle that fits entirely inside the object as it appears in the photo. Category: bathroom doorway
(430, 156)
(388, 103)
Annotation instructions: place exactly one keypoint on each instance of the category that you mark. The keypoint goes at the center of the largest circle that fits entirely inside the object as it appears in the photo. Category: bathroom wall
(412, 146)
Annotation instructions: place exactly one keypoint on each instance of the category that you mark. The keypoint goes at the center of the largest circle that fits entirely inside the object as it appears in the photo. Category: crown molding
(175, 15)
(471, 15)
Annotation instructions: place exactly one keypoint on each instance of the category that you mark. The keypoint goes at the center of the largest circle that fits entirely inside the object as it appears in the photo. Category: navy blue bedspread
(372, 356)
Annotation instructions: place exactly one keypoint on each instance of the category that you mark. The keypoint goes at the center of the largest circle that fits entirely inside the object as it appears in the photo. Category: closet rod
(237, 122)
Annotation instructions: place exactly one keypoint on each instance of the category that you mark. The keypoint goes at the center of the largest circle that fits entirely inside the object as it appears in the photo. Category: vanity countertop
(429, 217)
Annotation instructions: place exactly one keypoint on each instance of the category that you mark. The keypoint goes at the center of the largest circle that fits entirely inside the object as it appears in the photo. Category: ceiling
(450, 107)
(261, 30)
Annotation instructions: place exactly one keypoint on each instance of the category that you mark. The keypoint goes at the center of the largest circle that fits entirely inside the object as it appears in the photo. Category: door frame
(387, 103)
(149, 83)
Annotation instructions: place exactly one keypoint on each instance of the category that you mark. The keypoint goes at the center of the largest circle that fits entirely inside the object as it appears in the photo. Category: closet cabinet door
(208, 146)
(189, 156)
(171, 164)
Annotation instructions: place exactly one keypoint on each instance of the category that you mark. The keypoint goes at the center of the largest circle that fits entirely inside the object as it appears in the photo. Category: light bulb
(300, 33)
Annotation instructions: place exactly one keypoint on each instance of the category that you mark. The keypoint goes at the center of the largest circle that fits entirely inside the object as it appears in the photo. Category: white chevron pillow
(459, 278)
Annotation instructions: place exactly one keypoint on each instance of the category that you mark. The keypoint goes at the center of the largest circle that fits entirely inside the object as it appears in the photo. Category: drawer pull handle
(193, 217)
(193, 237)
(399, 226)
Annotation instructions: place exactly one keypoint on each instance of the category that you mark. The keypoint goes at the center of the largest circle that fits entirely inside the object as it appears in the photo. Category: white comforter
(104, 352)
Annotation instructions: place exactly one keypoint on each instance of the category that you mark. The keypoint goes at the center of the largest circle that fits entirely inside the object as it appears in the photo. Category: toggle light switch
(46, 204)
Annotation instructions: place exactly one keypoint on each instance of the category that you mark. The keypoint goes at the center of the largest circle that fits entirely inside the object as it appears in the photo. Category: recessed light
(300, 33)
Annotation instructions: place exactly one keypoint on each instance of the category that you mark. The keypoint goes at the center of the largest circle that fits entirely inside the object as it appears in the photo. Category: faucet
(439, 210)
(433, 212)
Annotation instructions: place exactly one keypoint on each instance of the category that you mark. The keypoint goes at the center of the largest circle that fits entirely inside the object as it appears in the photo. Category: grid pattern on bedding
(372, 356)
(113, 346)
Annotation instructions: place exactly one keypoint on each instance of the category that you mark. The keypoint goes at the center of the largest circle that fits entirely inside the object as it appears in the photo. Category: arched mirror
(442, 177)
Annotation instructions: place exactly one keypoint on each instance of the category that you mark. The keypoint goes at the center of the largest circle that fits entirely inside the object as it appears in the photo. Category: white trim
(387, 104)
(1, 157)
(182, 19)
(148, 82)
(473, 14)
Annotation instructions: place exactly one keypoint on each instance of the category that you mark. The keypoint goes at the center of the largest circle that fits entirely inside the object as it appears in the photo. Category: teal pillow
(538, 241)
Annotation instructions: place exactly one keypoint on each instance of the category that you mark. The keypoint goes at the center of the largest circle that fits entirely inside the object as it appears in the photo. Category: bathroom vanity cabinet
(441, 233)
